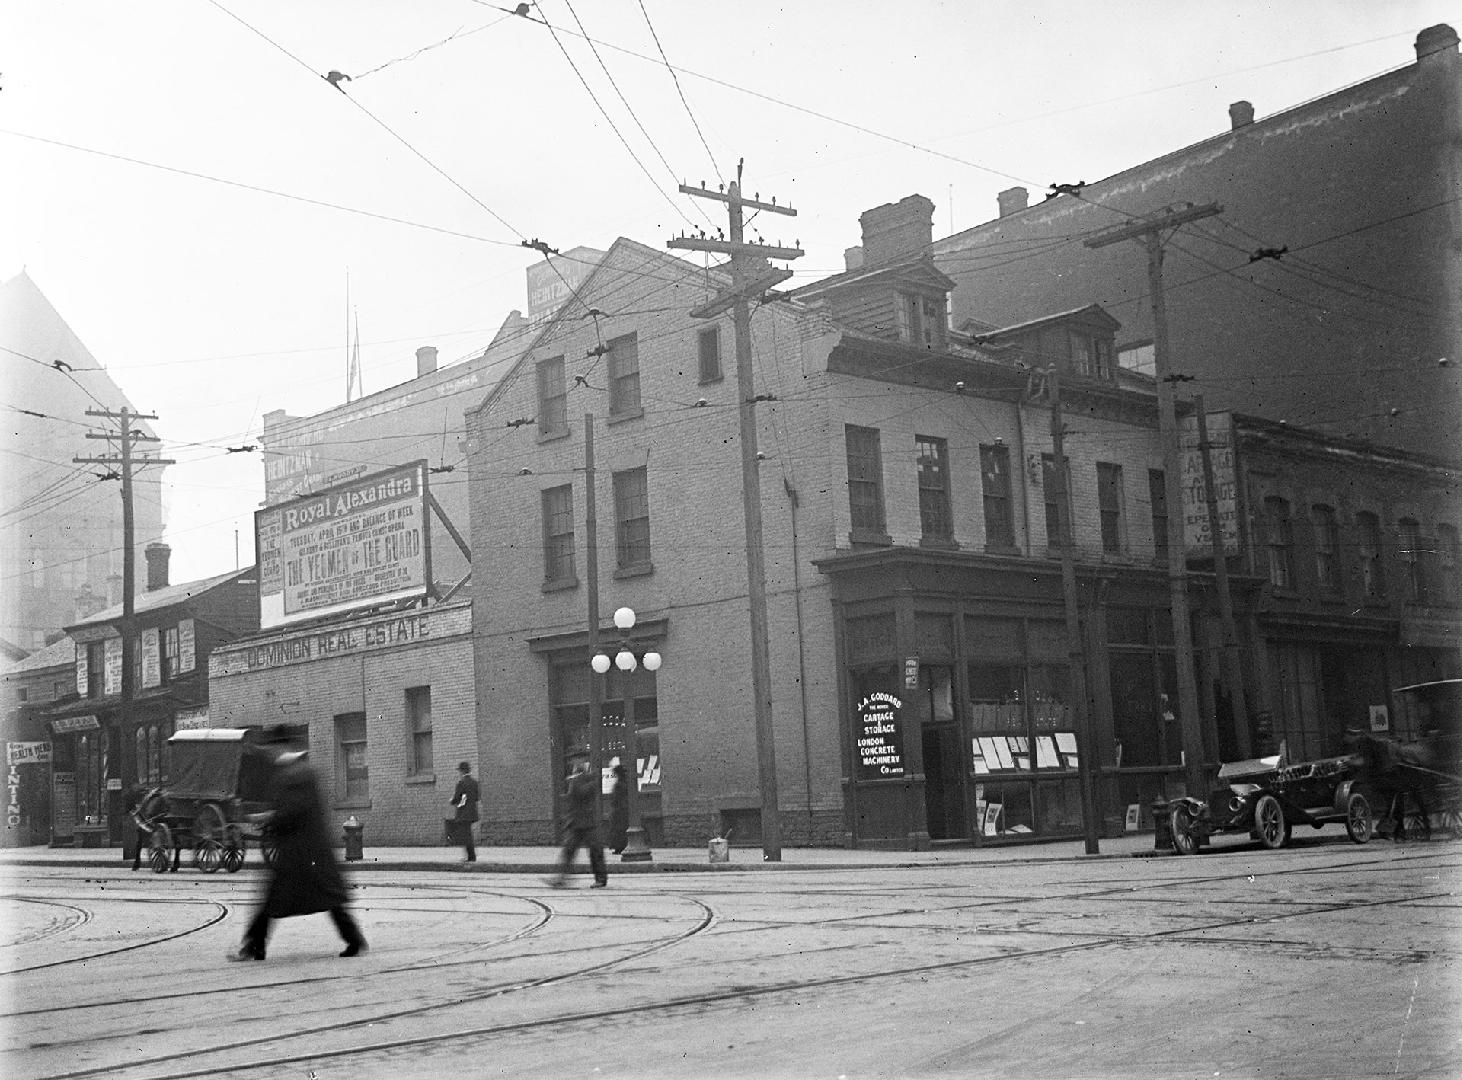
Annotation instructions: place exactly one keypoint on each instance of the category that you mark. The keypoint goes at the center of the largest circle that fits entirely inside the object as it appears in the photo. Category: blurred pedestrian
(579, 826)
(464, 799)
(303, 877)
(618, 809)
(147, 806)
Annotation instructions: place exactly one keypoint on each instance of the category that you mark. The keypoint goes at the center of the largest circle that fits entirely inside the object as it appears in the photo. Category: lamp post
(635, 848)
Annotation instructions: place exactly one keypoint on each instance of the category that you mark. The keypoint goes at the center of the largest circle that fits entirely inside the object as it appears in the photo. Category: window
(632, 519)
(995, 480)
(1279, 539)
(96, 668)
(170, 654)
(352, 774)
(1109, 505)
(920, 320)
(1090, 355)
(148, 746)
(1408, 534)
(935, 516)
(1058, 525)
(1447, 563)
(1368, 545)
(553, 397)
(865, 481)
(1157, 493)
(558, 535)
(1141, 358)
(1327, 546)
(624, 376)
(708, 343)
(418, 727)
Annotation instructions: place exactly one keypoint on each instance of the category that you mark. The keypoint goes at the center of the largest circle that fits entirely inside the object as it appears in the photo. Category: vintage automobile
(1267, 797)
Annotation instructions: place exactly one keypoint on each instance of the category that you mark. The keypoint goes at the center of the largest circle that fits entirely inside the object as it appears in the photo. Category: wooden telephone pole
(751, 275)
(1148, 232)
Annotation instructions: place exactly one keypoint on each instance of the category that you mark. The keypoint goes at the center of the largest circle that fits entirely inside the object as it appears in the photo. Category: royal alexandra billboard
(349, 546)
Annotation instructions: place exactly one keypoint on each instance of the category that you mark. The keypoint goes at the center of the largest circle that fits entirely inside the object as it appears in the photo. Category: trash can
(719, 849)
(1162, 826)
(354, 845)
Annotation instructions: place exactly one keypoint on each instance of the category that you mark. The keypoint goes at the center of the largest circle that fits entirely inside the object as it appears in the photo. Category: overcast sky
(193, 196)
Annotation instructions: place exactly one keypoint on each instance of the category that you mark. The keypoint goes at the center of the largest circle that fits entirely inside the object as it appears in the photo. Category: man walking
(464, 799)
(580, 828)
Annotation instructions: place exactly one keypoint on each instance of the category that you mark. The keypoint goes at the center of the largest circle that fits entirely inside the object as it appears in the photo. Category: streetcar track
(217, 918)
(50, 930)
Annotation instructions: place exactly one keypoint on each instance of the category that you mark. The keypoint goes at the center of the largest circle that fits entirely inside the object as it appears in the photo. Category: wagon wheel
(233, 858)
(268, 846)
(160, 848)
(208, 855)
(1184, 829)
(1270, 828)
(210, 823)
(1358, 822)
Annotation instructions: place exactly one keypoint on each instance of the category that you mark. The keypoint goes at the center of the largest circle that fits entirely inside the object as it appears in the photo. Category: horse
(1397, 771)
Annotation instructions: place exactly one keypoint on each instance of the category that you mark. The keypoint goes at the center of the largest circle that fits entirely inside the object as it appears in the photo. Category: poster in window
(112, 672)
(880, 750)
(187, 658)
(82, 672)
(1380, 718)
(151, 658)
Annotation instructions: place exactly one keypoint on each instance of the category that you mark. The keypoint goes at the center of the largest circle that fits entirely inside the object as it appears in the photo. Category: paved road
(1323, 960)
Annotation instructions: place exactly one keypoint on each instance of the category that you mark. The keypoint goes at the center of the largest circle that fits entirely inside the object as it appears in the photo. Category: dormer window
(920, 320)
(1090, 354)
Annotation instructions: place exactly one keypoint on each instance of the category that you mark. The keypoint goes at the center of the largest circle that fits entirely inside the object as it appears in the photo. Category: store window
(352, 771)
(1302, 704)
(419, 729)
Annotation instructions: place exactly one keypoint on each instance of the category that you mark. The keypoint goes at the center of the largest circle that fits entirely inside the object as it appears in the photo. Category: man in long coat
(580, 827)
(304, 877)
(464, 815)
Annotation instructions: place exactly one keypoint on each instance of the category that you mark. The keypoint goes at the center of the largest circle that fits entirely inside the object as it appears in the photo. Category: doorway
(944, 799)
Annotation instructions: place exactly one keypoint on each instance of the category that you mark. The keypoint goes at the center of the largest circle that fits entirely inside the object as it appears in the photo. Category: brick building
(28, 686)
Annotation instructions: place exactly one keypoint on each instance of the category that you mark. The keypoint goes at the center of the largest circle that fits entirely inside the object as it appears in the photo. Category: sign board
(74, 723)
(83, 673)
(112, 669)
(1134, 817)
(911, 674)
(1196, 535)
(187, 646)
(151, 657)
(1380, 718)
(191, 719)
(27, 753)
(880, 745)
(351, 546)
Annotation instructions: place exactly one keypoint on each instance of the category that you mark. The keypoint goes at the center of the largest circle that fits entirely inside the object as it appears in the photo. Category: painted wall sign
(190, 719)
(361, 543)
(27, 753)
(383, 633)
(83, 673)
(879, 744)
(151, 657)
(1196, 534)
(187, 646)
(112, 672)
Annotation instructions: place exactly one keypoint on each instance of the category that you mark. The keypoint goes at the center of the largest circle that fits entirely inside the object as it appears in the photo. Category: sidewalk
(542, 860)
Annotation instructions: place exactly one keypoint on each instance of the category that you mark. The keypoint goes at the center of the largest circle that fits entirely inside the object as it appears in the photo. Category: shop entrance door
(944, 798)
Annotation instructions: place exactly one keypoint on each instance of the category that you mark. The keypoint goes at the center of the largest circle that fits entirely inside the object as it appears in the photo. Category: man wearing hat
(464, 799)
(579, 826)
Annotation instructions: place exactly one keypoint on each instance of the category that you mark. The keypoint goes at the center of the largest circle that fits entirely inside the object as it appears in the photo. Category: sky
(212, 216)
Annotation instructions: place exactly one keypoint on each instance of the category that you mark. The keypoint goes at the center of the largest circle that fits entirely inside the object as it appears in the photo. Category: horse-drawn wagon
(215, 803)
(1416, 771)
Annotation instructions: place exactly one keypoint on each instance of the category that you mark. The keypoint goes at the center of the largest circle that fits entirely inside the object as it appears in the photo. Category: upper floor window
(553, 397)
(1058, 502)
(1157, 493)
(920, 320)
(624, 376)
(632, 519)
(1447, 563)
(1109, 505)
(1408, 534)
(1327, 547)
(995, 482)
(708, 346)
(558, 535)
(865, 480)
(170, 654)
(935, 515)
(1090, 355)
(1279, 539)
(1141, 358)
(1368, 548)
(96, 668)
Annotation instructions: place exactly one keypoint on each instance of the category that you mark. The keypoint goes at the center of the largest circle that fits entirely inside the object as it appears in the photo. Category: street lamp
(635, 849)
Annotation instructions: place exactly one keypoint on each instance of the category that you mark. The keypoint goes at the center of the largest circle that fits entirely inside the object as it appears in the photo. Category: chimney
(1240, 114)
(1013, 200)
(157, 565)
(426, 360)
(1435, 39)
(852, 258)
(898, 230)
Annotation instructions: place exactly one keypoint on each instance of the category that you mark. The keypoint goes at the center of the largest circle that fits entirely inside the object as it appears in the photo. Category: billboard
(354, 545)
(1197, 536)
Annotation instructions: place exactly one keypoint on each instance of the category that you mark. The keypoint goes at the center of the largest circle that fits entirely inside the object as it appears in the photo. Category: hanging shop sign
(64, 724)
(880, 743)
(351, 546)
(27, 753)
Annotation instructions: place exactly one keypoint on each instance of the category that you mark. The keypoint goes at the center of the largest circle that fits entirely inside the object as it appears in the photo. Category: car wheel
(1358, 823)
(1269, 824)
(1184, 829)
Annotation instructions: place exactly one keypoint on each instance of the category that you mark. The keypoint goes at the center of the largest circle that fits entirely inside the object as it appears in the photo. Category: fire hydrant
(354, 845)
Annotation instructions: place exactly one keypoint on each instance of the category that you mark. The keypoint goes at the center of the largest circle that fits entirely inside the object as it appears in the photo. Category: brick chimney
(1240, 114)
(852, 258)
(898, 230)
(157, 565)
(1013, 200)
(426, 360)
(1435, 39)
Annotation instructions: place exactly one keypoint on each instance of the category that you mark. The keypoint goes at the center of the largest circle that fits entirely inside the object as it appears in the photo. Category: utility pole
(124, 463)
(1148, 232)
(751, 275)
(1076, 652)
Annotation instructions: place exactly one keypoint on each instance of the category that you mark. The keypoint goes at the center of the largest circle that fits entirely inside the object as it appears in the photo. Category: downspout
(801, 655)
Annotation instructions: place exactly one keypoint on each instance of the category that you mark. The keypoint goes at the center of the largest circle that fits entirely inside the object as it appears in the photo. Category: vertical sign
(1196, 535)
(151, 657)
(880, 744)
(83, 676)
(112, 672)
(911, 674)
(187, 656)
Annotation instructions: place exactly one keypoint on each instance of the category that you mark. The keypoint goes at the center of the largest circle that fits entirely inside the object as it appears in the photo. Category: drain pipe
(794, 502)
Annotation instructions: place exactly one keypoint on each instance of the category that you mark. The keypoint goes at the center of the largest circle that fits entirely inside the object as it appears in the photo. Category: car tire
(1270, 828)
(1359, 825)
(1184, 830)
